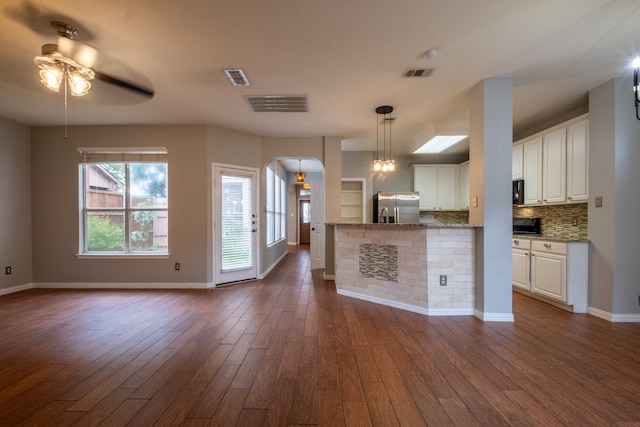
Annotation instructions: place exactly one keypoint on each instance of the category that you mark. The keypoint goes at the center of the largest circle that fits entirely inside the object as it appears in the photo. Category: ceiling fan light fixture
(54, 67)
(78, 85)
(51, 77)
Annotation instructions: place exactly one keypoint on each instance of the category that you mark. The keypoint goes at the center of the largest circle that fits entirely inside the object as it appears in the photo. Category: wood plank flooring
(288, 351)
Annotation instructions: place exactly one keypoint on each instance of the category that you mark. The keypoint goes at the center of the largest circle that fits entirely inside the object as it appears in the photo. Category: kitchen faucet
(382, 212)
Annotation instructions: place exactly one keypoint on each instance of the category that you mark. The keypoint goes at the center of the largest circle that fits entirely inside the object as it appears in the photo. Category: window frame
(126, 156)
(276, 206)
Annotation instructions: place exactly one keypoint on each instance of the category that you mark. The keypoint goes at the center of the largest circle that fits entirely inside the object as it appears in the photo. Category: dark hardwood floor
(288, 351)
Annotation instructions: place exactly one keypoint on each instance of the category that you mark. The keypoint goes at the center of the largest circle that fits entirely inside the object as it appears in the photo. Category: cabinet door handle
(547, 245)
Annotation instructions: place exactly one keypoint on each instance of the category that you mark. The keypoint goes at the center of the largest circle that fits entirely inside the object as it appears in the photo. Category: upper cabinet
(464, 186)
(437, 185)
(555, 164)
(516, 161)
(532, 171)
(578, 161)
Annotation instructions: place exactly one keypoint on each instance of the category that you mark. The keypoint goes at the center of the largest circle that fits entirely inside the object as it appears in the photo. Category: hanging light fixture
(636, 85)
(57, 69)
(384, 165)
(300, 175)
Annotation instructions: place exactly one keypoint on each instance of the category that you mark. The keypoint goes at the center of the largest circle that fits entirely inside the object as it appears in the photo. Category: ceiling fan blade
(148, 93)
(82, 53)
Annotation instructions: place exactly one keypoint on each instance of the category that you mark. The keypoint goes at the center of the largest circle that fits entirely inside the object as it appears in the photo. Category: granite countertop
(413, 225)
(549, 238)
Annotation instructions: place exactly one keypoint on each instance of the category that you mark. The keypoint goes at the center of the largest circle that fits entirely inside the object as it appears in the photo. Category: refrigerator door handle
(396, 214)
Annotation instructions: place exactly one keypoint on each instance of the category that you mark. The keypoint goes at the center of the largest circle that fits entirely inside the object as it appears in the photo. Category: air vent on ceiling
(417, 72)
(237, 77)
(278, 104)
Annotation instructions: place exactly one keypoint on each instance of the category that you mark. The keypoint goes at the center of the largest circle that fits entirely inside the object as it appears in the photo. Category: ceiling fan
(71, 63)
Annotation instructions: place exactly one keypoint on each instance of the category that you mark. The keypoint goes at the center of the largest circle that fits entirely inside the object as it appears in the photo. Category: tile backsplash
(557, 220)
(556, 223)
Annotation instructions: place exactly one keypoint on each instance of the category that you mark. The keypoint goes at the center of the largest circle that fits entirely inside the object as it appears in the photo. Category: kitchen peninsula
(424, 268)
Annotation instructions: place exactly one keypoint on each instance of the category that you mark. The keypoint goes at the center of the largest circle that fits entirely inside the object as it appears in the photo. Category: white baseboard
(19, 288)
(494, 317)
(114, 285)
(614, 318)
(272, 266)
(409, 307)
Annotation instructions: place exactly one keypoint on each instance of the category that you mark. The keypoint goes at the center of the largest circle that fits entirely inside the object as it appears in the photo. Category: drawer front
(521, 243)
(551, 247)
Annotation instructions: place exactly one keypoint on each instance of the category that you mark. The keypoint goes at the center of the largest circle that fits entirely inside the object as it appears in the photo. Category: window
(123, 201)
(276, 207)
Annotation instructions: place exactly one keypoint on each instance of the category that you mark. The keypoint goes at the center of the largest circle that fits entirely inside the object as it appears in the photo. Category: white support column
(491, 139)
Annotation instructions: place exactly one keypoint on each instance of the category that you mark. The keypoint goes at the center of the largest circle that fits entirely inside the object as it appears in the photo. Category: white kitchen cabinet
(578, 161)
(447, 186)
(552, 271)
(425, 181)
(532, 171)
(554, 166)
(464, 186)
(549, 270)
(520, 259)
(437, 185)
(517, 158)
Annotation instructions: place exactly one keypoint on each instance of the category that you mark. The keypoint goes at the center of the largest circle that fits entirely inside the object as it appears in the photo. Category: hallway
(288, 351)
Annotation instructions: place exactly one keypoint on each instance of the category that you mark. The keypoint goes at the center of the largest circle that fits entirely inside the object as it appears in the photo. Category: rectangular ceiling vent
(237, 77)
(418, 72)
(278, 104)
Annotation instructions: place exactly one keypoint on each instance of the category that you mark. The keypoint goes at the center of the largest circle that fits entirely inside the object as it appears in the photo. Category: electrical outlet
(443, 280)
(177, 266)
(7, 270)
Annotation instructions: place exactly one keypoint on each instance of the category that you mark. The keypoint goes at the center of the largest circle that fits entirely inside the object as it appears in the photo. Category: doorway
(235, 224)
(305, 222)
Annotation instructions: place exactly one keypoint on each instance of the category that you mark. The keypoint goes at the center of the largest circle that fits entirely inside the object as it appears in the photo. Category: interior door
(305, 222)
(317, 224)
(235, 224)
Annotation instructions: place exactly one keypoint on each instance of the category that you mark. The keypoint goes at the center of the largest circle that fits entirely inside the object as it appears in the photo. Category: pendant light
(300, 175)
(384, 165)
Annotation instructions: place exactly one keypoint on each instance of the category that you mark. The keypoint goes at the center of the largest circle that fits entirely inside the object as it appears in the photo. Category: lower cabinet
(556, 271)
(520, 262)
(549, 270)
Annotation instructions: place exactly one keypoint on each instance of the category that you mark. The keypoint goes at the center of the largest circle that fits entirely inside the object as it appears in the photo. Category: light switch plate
(598, 201)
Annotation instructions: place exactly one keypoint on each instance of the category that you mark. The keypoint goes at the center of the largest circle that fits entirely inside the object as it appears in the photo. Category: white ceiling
(346, 56)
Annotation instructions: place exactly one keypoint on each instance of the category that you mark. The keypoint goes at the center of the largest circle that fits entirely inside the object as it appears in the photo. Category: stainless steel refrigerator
(401, 208)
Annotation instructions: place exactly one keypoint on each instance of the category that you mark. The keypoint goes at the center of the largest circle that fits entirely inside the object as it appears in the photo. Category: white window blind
(270, 206)
(237, 247)
(122, 154)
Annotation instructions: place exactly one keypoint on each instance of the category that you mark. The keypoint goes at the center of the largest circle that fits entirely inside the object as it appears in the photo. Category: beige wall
(55, 205)
(192, 150)
(15, 207)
